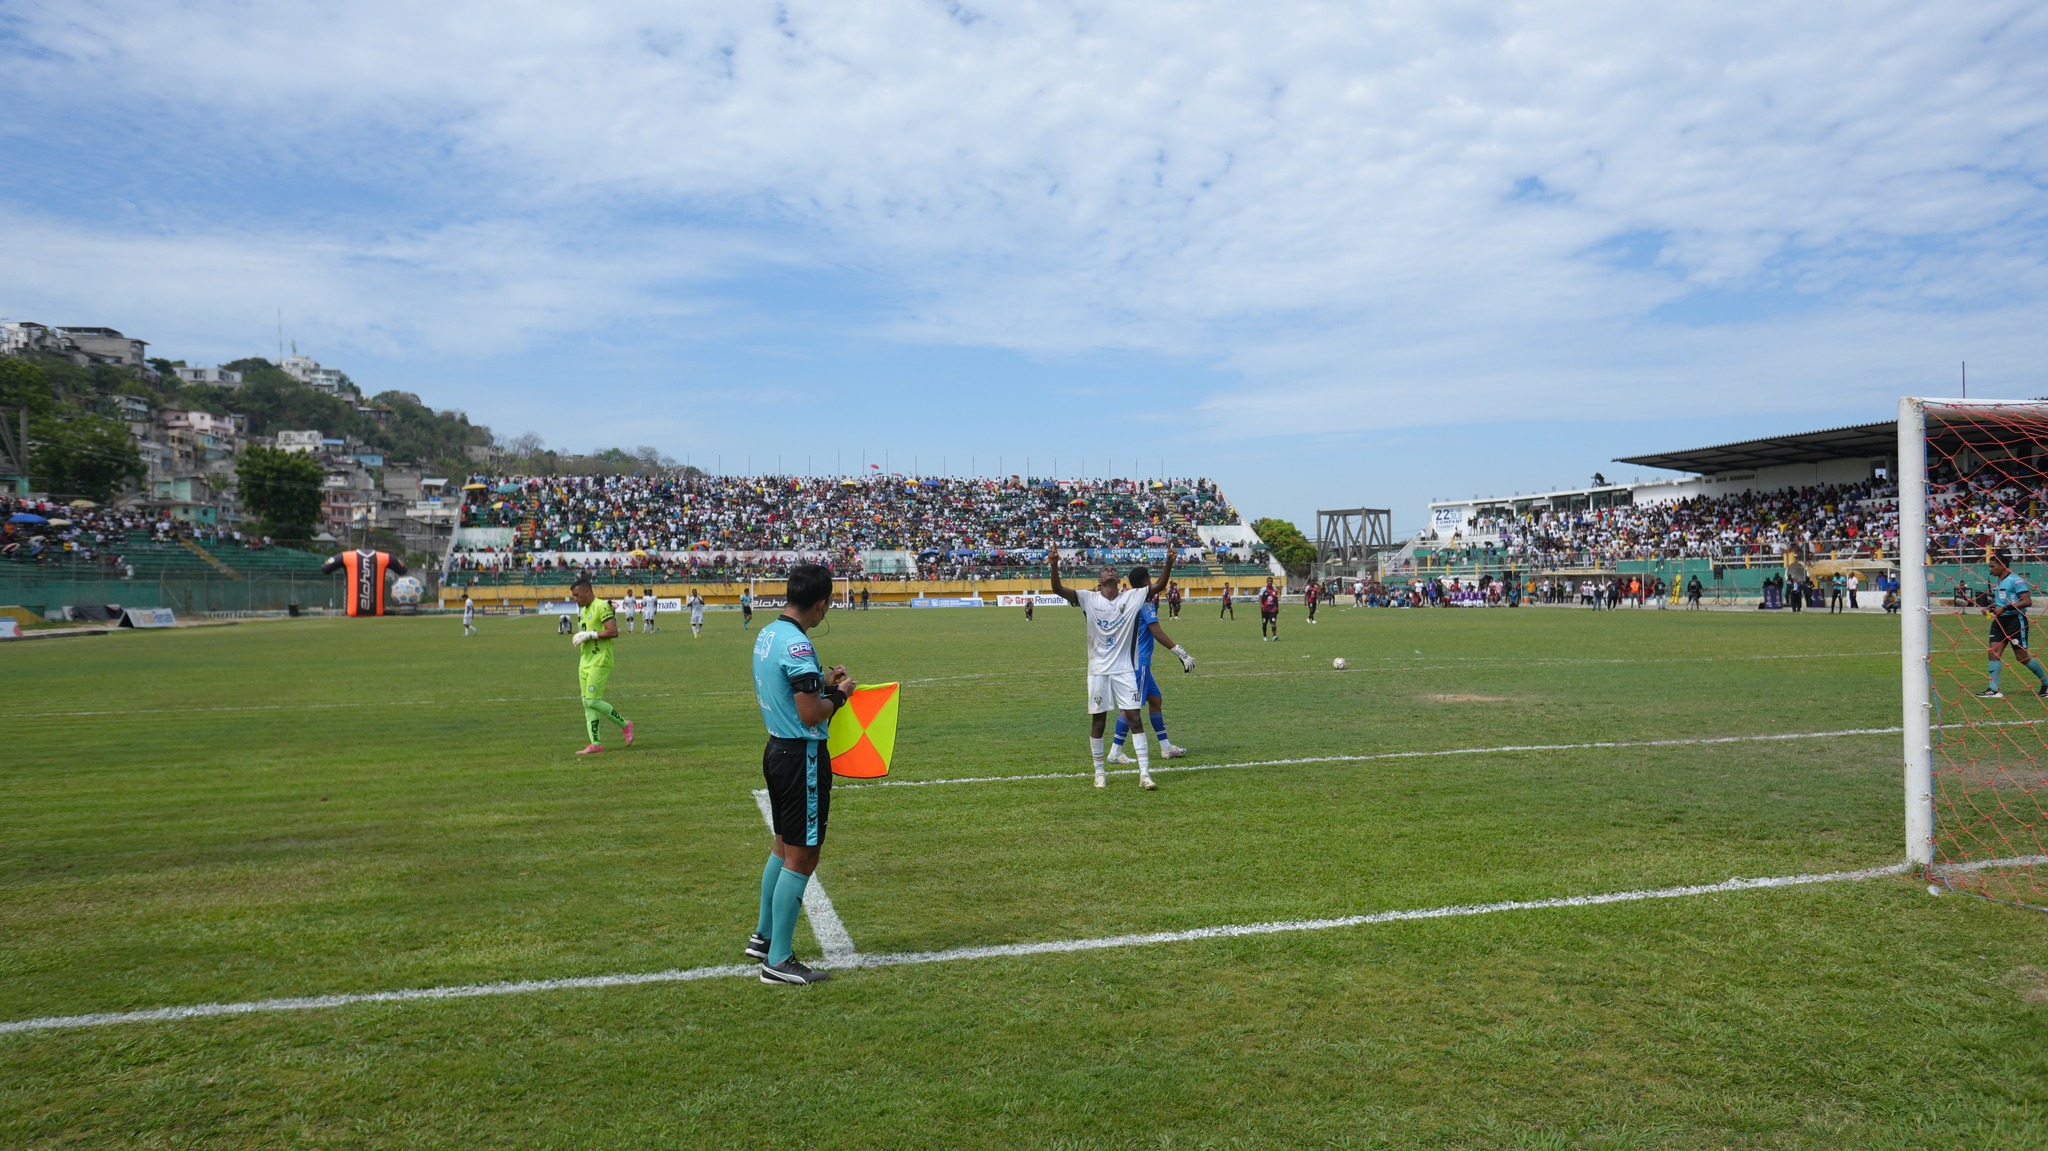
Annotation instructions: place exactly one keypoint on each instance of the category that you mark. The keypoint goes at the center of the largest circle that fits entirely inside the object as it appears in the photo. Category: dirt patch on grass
(1464, 697)
(2029, 982)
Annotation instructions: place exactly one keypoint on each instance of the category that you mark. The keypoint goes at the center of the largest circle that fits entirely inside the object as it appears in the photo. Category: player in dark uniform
(2007, 603)
(1310, 595)
(1269, 611)
(1227, 609)
(1173, 601)
(797, 698)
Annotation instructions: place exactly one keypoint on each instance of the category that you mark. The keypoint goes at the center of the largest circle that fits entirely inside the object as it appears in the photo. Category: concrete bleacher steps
(212, 560)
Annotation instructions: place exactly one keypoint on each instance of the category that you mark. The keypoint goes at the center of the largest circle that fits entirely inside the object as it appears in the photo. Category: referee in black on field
(798, 698)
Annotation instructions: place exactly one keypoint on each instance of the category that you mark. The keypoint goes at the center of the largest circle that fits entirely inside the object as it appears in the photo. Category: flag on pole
(862, 738)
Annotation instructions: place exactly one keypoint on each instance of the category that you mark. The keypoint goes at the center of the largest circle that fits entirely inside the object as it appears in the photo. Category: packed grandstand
(540, 529)
(937, 527)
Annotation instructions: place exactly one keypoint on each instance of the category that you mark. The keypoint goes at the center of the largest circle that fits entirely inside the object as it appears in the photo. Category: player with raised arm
(2007, 603)
(1149, 635)
(696, 605)
(1112, 622)
(597, 627)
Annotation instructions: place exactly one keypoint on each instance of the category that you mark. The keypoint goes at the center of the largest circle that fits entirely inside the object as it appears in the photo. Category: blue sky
(1331, 255)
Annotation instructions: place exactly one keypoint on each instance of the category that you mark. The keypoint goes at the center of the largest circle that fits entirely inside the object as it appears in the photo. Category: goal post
(1972, 486)
(1915, 676)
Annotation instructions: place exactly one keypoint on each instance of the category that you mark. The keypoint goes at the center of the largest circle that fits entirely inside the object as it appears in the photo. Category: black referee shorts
(799, 777)
(2009, 627)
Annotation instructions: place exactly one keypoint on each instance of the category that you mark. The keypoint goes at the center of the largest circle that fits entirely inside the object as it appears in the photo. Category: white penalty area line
(831, 932)
(1159, 766)
(907, 958)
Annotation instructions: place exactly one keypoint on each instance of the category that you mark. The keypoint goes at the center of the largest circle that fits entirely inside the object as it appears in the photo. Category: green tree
(282, 489)
(24, 384)
(1287, 544)
(86, 455)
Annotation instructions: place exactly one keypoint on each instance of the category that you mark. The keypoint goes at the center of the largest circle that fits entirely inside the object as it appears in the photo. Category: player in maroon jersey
(1269, 611)
(1226, 609)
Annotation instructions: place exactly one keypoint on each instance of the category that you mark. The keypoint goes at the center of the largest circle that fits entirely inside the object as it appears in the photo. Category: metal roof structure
(1856, 441)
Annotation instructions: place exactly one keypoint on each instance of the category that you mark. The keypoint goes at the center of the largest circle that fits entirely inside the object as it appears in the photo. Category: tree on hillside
(85, 456)
(282, 489)
(25, 385)
(1287, 544)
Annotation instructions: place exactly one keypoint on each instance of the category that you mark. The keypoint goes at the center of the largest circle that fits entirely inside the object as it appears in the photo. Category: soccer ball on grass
(1338, 663)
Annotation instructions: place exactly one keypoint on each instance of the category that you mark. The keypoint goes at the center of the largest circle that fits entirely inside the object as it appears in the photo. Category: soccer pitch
(330, 808)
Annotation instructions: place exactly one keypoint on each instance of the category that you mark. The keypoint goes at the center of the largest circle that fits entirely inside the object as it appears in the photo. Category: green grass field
(313, 807)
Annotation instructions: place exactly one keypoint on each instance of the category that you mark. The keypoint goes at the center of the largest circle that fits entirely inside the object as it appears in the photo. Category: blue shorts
(1148, 688)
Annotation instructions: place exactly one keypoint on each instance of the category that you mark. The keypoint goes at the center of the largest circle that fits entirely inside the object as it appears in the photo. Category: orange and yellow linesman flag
(862, 738)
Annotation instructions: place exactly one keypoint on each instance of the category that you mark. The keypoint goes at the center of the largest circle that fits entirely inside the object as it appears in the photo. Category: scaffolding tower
(1350, 542)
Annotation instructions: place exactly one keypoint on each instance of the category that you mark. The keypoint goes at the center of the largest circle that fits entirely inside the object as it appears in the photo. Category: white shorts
(1117, 692)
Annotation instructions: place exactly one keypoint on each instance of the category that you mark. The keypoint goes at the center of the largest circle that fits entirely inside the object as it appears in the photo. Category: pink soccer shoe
(593, 749)
(629, 733)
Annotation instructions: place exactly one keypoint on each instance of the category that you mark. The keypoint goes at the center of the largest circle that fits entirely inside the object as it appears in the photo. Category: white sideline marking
(1701, 741)
(833, 939)
(906, 958)
(1987, 864)
(1501, 750)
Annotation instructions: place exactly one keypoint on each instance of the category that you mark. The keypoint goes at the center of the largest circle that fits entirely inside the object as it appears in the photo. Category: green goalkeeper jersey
(598, 652)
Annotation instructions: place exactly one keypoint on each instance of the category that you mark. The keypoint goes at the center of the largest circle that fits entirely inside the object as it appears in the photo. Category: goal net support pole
(1914, 620)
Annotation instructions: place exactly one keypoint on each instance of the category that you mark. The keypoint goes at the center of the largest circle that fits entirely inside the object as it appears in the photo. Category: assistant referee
(797, 700)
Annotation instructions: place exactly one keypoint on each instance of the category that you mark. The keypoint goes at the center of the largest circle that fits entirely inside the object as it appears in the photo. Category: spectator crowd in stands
(749, 526)
(96, 536)
(1846, 519)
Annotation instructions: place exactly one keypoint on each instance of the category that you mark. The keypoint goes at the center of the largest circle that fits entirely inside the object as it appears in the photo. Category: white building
(308, 371)
(307, 442)
(221, 376)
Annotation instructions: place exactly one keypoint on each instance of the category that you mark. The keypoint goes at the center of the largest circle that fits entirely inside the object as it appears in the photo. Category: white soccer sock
(1138, 742)
(1095, 749)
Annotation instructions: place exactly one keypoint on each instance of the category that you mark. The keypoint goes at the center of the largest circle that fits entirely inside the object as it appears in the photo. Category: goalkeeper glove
(1187, 662)
(583, 637)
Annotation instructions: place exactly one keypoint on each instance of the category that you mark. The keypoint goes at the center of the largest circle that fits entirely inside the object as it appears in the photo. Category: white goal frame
(1915, 618)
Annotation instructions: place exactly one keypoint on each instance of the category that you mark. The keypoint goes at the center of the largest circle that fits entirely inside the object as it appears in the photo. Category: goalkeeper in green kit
(596, 627)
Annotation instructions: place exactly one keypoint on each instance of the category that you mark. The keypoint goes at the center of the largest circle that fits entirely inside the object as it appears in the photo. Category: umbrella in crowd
(26, 518)
(83, 504)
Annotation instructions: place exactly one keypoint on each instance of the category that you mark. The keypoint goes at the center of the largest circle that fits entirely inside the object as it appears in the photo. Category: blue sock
(1123, 729)
(1996, 665)
(769, 876)
(789, 899)
(1159, 725)
(2034, 665)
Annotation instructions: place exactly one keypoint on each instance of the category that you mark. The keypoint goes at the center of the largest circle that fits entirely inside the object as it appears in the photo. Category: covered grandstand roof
(1852, 442)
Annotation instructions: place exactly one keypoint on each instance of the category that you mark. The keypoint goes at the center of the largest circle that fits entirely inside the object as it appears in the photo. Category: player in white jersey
(647, 611)
(468, 617)
(1112, 621)
(696, 605)
(629, 607)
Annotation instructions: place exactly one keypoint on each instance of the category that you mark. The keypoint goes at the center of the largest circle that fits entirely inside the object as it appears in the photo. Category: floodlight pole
(1914, 621)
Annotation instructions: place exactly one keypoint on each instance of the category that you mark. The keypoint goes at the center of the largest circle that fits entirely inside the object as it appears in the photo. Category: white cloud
(1319, 197)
